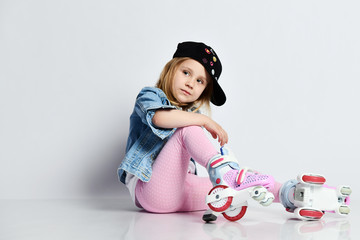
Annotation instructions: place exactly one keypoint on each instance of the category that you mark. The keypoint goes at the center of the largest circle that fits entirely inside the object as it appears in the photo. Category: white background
(70, 72)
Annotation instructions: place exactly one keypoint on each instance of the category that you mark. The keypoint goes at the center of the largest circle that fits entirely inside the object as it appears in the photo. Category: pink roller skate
(308, 198)
(233, 187)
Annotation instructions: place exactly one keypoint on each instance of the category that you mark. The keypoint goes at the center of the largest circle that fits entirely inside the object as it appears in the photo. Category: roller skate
(308, 198)
(233, 187)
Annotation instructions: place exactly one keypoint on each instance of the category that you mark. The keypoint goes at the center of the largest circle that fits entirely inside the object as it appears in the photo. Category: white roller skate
(308, 198)
(233, 187)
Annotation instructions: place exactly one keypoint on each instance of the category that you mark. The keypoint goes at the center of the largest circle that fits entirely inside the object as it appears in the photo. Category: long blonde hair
(165, 83)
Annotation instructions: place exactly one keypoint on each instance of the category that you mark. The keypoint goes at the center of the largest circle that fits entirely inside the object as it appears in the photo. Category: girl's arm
(175, 118)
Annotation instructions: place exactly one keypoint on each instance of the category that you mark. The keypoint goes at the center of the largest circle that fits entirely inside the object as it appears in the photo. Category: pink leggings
(171, 188)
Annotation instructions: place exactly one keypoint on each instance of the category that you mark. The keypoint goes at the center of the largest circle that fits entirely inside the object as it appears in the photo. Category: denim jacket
(145, 140)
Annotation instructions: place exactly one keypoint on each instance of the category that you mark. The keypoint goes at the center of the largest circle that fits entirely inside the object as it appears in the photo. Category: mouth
(185, 92)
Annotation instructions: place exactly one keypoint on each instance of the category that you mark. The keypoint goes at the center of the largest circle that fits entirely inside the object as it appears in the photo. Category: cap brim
(218, 97)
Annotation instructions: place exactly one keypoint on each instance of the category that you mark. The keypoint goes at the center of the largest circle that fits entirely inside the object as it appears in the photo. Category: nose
(190, 83)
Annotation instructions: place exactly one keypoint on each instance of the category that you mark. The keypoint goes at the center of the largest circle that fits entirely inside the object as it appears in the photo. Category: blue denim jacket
(145, 140)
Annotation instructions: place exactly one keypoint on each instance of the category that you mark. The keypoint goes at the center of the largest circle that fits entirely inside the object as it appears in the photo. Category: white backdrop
(70, 71)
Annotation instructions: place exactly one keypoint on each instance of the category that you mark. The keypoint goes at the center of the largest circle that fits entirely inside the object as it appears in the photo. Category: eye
(200, 81)
(186, 73)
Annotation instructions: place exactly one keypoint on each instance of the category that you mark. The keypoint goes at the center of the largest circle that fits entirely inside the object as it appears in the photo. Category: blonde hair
(165, 83)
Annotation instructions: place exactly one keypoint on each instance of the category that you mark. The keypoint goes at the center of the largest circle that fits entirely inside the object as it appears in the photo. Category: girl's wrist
(205, 120)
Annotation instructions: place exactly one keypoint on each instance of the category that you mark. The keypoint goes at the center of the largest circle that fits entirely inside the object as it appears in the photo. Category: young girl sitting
(166, 134)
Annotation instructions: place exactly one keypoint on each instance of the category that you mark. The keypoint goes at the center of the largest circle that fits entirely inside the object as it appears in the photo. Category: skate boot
(233, 187)
(308, 198)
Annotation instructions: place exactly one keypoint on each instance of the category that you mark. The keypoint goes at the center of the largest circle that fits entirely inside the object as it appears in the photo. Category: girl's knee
(190, 130)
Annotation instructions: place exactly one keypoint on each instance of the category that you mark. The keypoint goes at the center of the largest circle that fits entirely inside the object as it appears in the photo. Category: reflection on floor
(119, 219)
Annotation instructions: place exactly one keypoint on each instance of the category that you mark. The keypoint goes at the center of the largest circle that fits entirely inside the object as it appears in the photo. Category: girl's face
(190, 80)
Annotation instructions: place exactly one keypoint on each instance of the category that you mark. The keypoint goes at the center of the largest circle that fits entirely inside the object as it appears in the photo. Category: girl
(166, 132)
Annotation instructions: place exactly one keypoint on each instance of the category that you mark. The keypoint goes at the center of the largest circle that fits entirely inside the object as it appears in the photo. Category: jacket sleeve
(147, 102)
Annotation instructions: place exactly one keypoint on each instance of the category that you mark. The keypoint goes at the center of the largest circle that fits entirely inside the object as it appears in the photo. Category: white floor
(119, 219)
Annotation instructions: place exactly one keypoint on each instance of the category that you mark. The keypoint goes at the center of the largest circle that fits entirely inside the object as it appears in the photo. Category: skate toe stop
(209, 217)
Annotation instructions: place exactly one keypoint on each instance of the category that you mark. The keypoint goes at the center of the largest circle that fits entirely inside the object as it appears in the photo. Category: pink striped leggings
(171, 188)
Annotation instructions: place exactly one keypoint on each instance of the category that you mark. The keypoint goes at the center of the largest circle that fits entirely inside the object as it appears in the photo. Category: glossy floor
(118, 219)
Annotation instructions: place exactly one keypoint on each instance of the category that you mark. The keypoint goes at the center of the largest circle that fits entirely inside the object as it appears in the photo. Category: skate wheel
(259, 193)
(313, 179)
(344, 210)
(236, 214)
(222, 204)
(346, 191)
(268, 199)
(309, 214)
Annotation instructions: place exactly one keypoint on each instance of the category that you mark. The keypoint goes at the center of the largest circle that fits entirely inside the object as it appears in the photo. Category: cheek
(203, 87)
(201, 90)
(175, 82)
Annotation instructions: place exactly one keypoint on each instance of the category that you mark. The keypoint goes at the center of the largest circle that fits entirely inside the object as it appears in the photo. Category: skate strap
(241, 175)
(223, 159)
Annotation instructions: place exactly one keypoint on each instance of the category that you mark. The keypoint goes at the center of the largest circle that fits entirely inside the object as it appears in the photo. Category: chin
(185, 102)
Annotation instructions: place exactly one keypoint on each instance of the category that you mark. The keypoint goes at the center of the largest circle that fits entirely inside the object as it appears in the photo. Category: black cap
(208, 58)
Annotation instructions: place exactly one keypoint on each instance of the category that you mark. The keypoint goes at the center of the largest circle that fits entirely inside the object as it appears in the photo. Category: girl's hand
(216, 131)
